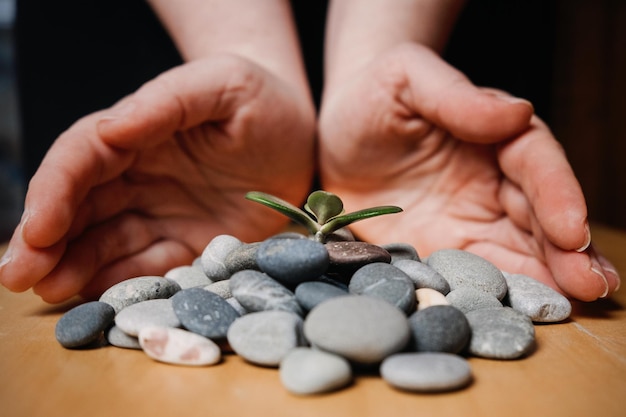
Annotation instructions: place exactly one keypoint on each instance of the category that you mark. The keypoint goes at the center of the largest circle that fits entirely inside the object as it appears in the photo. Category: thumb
(446, 97)
(186, 96)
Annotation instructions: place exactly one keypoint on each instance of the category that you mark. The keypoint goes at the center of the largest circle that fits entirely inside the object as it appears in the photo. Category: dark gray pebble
(292, 261)
(400, 251)
(439, 328)
(84, 324)
(385, 281)
(203, 312)
(309, 294)
(257, 291)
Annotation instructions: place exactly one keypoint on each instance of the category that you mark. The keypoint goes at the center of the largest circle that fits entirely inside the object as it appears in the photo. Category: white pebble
(178, 346)
(427, 297)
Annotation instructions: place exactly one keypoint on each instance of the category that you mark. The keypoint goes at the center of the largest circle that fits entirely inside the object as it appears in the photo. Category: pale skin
(143, 186)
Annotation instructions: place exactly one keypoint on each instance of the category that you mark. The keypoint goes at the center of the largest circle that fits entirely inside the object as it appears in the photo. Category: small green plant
(323, 212)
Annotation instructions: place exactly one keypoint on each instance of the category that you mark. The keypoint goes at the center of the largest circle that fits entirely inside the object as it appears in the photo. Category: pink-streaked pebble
(178, 346)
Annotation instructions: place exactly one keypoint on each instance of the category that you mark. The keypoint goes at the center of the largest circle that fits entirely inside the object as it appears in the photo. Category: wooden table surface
(578, 369)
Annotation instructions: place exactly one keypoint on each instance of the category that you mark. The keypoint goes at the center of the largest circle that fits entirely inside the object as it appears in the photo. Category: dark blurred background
(62, 60)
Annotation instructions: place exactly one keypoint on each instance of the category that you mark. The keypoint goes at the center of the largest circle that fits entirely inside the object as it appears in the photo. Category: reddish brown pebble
(347, 257)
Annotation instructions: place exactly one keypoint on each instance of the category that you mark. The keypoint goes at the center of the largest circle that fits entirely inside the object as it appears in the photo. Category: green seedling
(323, 212)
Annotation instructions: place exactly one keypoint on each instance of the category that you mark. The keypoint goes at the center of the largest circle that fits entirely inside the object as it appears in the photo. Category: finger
(445, 96)
(536, 163)
(515, 205)
(184, 97)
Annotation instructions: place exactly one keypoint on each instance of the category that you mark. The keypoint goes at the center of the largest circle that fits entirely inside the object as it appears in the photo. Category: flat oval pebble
(178, 346)
(116, 337)
(468, 299)
(292, 261)
(256, 291)
(265, 337)
(440, 328)
(500, 333)
(426, 372)
(311, 293)
(535, 299)
(385, 281)
(138, 289)
(188, 276)
(214, 256)
(399, 251)
(158, 312)
(422, 275)
(359, 328)
(242, 257)
(204, 312)
(221, 288)
(346, 256)
(306, 371)
(83, 324)
(427, 297)
(461, 268)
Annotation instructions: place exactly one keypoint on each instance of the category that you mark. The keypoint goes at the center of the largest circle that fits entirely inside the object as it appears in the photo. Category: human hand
(143, 186)
(472, 168)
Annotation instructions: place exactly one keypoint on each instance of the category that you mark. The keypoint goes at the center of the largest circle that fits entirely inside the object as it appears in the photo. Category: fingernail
(587, 239)
(596, 268)
(119, 111)
(513, 100)
(6, 258)
(24, 220)
(608, 268)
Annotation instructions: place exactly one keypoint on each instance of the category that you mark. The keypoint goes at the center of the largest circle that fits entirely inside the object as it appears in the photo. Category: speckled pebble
(311, 293)
(178, 346)
(292, 261)
(426, 372)
(83, 324)
(116, 337)
(440, 328)
(188, 276)
(256, 291)
(346, 256)
(535, 299)
(359, 328)
(500, 333)
(387, 282)
(157, 312)
(264, 338)
(461, 268)
(306, 371)
(221, 288)
(204, 312)
(138, 289)
(242, 257)
(468, 299)
(422, 275)
(399, 251)
(214, 256)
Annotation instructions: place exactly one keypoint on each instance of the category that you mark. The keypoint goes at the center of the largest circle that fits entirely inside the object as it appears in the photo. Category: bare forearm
(358, 31)
(262, 31)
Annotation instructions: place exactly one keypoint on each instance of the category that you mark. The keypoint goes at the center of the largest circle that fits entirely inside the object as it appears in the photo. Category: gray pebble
(468, 299)
(237, 306)
(188, 276)
(387, 282)
(359, 328)
(265, 337)
(306, 371)
(214, 256)
(158, 312)
(84, 324)
(256, 291)
(116, 337)
(292, 261)
(138, 289)
(311, 293)
(400, 251)
(242, 257)
(422, 275)
(426, 372)
(439, 328)
(221, 288)
(500, 333)
(535, 299)
(462, 268)
(204, 312)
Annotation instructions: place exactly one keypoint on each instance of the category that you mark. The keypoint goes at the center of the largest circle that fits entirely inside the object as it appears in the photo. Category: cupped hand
(143, 186)
(472, 168)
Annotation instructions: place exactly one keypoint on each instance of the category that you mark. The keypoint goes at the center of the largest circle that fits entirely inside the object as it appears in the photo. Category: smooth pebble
(204, 312)
(311, 293)
(400, 250)
(385, 281)
(214, 256)
(257, 291)
(83, 324)
(426, 372)
(440, 328)
(468, 299)
(348, 256)
(221, 288)
(292, 261)
(306, 371)
(116, 337)
(500, 333)
(242, 257)
(178, 346)
(427, 297)
(138, 289)
(158, 312)
(422, 275)
(188, 276)
(535, 299)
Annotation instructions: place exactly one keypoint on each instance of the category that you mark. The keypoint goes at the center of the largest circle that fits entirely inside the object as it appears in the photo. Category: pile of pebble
(321, 313)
